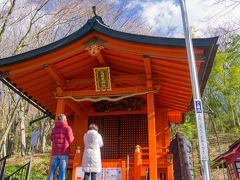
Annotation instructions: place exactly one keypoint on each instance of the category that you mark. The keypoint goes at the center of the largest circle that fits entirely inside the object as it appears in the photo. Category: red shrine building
(132, 86)
(231, 160)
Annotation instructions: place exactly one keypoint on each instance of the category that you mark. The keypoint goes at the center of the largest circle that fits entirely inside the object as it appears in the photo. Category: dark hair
(93, 127)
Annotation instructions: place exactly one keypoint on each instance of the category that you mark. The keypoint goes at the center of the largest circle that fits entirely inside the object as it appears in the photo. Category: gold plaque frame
(102, 79)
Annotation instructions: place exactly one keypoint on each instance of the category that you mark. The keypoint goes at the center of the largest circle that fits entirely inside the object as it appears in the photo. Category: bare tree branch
(21, 43)
(3, 28)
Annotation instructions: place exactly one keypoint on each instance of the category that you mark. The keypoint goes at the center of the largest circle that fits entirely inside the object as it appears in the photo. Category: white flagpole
(196, 95)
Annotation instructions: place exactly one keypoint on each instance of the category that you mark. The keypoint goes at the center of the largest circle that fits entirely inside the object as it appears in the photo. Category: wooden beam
(45, 98)
(42, 94)
(124, 60)
(141, 111)
(178, 86)
(180, 96)
(173, 101)
(37, 84)
(176, 91)
(100, 59)
(148, 71)
(45, 77)
(147, 65)
(177, 98)
(35, 63)
(135, 78)
(72, 83)
(115, 91)
(164, 74)
(56, 75)
(34, 74)
(165, 51)
(138, 78)
(174, 106)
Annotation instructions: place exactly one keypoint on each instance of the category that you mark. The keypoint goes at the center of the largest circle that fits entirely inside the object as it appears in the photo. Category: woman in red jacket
(61, 137)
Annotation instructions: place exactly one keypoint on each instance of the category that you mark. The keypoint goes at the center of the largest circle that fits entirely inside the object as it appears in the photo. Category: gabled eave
(95, 24)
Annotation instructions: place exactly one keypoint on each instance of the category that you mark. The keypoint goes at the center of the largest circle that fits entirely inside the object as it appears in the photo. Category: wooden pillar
(166, 143)
(80, 127)
(151, 137)
(137, 162)
(60, 107)
(165, 130)
(158, 124)
(170, 171)
(159, 134)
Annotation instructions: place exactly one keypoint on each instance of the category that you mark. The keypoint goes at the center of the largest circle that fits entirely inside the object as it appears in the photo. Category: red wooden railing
(138, 165)
(141, 160)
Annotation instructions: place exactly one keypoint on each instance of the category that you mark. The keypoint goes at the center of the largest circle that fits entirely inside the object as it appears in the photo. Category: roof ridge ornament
(94, 11)
(94, 46)
(96, 17)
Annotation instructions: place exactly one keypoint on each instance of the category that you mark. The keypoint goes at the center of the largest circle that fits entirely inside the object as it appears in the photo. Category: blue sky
(165, 15)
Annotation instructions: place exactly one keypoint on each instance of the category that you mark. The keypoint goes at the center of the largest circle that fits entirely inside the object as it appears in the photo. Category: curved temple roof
(164, 60)
(96, 24)
(233, 150)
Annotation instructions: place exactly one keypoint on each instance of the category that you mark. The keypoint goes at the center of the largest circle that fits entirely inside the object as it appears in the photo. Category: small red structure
(231, 160)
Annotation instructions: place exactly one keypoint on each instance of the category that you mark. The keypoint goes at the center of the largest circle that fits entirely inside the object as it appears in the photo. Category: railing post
(77, 161)
(127, 167)
(28, 169)
(137, 162)
(123, 170)
(2, 167)
(2, 170)
(170, 166)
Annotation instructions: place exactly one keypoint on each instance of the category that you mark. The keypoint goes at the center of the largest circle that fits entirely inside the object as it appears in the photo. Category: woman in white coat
(92, 155)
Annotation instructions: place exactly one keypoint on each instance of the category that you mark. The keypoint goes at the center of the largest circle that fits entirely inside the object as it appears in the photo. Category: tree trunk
(216, 133)
(221, 123)
(11, 120)
(233, 117)
(22, 42)
(4, 151)
(10, 144)
(3, 28)
(238, 120)
(43, 136)
(22, 130)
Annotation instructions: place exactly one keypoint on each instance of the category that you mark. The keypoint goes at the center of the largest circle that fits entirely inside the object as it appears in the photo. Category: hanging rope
(104, 98)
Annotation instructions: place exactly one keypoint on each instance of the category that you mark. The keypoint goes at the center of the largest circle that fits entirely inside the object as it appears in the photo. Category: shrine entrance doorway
(121, 133)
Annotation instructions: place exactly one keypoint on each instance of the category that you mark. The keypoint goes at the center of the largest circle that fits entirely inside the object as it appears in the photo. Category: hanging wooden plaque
(102, 79)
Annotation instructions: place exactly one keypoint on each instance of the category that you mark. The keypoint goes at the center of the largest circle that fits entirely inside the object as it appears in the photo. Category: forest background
(30, 24)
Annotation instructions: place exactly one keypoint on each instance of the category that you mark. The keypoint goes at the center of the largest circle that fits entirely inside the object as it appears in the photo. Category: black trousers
(87, 175)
